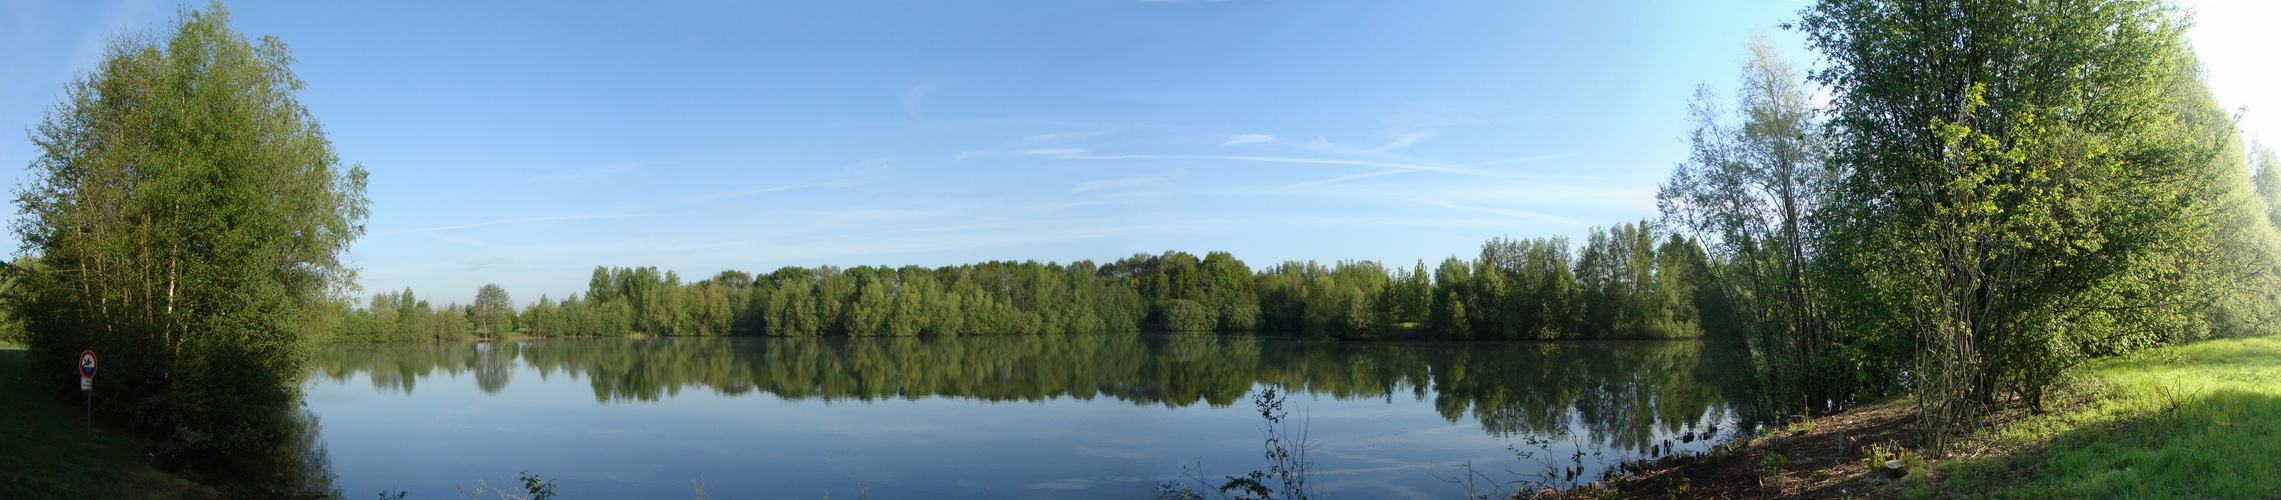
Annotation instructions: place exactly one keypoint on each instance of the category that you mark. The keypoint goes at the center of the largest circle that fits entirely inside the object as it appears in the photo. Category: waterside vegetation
(2194, 421)
(1623, 282)
(2016, 226)
(1996, 194)
(185, 217)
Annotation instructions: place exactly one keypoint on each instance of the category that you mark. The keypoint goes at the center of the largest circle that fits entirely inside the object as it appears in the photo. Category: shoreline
(2194, 420)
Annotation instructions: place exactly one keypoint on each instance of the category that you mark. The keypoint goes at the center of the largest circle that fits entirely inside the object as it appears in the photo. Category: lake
(1054, 416)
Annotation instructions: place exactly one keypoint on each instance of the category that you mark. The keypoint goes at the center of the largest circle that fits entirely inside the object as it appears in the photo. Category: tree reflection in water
(1619, 395)
(294, 466)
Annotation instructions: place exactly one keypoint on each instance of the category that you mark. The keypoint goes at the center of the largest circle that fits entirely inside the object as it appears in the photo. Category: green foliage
(187, 213)
(2267, 169)
(11, 325)
(1182, 315)
(2028, 186)
(1518, 289)
(1770, 465)
(2002, 191)
(493, 312)
(1755, 191)
(2250, 252)
(403, 317)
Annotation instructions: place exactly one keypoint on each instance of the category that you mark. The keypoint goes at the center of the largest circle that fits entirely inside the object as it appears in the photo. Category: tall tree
(2028, 184)
(188, 214)
(1751, 191)
(2268, 180)
(494, 311)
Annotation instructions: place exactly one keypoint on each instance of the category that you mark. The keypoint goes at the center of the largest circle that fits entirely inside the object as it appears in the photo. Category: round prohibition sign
(87, 364)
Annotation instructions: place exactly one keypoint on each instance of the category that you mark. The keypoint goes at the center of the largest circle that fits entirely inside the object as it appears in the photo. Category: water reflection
(1620, 395)
(293, 463)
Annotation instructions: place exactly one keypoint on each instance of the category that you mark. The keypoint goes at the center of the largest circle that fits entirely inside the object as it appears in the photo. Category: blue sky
(524, 143)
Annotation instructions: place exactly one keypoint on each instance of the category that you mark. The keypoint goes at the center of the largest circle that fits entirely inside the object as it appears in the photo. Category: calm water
(1079, 416)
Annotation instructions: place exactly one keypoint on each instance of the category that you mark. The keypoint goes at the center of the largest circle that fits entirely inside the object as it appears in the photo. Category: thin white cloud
(1535, 217)
(1318, 161)
(463, 241)
(1247, 139)
(594, 172)
(513, 221)
(485, 264)
(871, 170)
(1407, 140)
(1063, 152)
(1060, 205)
(917, 94)
(862, 172)
(1350, 177)
(1112, 183)
(1530, 159)
(1061, 136)
(823, 238)
(919, 238)
(883, 213)
(757, 190)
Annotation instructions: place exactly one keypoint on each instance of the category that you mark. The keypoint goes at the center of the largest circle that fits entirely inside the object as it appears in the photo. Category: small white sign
(86, 383)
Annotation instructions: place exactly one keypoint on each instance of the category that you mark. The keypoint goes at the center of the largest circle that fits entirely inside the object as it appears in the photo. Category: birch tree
(189, 215)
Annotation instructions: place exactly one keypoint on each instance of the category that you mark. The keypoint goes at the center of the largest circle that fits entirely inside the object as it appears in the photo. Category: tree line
(1624, 282)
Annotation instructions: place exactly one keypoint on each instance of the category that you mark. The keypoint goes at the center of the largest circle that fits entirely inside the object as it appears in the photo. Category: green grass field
(2201, 420)
(46, 450)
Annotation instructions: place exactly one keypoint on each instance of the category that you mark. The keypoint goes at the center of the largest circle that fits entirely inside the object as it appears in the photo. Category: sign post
(87, 385)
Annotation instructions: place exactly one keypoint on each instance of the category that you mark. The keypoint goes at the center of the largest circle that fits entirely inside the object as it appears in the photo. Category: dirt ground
(1819, 458)
(1811, 463)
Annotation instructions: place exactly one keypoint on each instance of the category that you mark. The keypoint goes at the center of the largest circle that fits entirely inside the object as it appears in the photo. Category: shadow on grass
(2223, 444)
(48, 450)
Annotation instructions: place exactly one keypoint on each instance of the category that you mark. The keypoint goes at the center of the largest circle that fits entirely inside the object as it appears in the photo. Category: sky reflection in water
(1076, 416)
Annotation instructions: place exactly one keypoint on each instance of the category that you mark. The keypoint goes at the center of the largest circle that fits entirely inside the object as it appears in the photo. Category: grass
(2201, 420)
(46, 450)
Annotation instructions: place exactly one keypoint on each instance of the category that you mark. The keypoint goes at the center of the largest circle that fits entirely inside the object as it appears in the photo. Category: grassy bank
(46, 450)
(2196, 421)
(2201, 420)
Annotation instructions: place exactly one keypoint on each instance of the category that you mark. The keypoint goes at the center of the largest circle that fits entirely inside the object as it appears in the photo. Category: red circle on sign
(87, 364)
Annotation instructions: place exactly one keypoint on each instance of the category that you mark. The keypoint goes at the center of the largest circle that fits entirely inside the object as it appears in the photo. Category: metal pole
(90, 410)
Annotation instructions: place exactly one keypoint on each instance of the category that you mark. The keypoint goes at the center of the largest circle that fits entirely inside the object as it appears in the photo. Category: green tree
(2028, 185)
(1753, 190)
(11, 326)
(1448, 319)
(493, 312)
(2268, 180)
(188, 214)
(543, 318)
